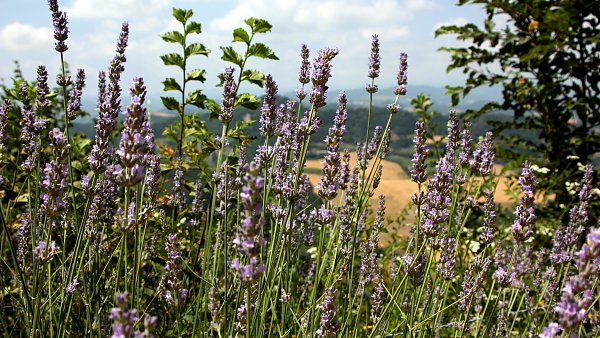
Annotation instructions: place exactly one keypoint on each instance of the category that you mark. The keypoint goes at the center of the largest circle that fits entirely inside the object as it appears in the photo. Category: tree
(545, 57)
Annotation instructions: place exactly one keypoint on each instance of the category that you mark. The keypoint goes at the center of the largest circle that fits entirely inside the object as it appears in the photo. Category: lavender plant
(255, 250)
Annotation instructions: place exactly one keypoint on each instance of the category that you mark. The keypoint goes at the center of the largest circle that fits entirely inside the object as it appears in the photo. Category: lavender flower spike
(304, 74)
(402, 75)
(268, 110)
(61, 31)
(330, 181)
(249, 239)
(374, 59)
(418, 170)
(228, 100)
(320, 76)
(329, 326)
(54, 177)
(374, 64)
(133, 147)
(41, 101)
(74, 104)
(522, 228)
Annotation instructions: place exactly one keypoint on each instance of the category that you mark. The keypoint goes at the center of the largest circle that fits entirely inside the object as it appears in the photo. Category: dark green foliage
(546, 60)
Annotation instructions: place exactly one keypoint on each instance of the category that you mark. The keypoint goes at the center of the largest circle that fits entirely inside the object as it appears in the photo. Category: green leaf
(258, 25)
(196, 98)
(214, 108)
(173, 59)
(262, 51)
(230, 55)
(171, 84)
(182, 15)
(247, 101)
(196, 49)
(174, 37)
(239, 34)
(253, 76)
(170, 103)
(196, 75)
(193, 27)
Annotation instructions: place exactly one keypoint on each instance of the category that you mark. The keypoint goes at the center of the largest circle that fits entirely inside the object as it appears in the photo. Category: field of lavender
(119, 236)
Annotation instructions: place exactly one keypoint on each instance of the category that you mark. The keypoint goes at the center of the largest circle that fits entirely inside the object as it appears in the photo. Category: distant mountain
(441, 101)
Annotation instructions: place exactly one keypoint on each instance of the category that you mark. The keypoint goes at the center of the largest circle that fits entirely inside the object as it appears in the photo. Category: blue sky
(403, 25)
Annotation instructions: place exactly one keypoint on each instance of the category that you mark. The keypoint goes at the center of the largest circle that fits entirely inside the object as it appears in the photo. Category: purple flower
(483, 155)
(249, 238)
(453, 134)
(551, 331)
(71, 287)
(31, 126)
(54, 176)
(466, 139)
(152, 181)
(402, 77)
(447, 257)
(489, 218)
(418, 170)
(268, 110)
(41, 102)
(393, 108)
(108, 105)
(437, 199)
(320, 76)
(572, 310)
(304, 74)
(170, 282)
(61, 31)
(329, 326)
(378, 298)
(228, 98)
(124, 319)
(213, 306)
(74, 105)
(133, 147)
(415, 268)
(5, 108)
(44, 252)
(472, 282)
(178, 192)
(374, 59)
(522, 228)
(330, 181)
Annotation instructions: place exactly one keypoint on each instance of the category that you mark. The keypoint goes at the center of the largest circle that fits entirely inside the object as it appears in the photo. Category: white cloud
(346, 24)
(115, 9)
(19, 37)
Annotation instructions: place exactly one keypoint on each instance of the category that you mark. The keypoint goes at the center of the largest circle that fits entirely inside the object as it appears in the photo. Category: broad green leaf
(170, 103)
(230, 55)
(196, 98)
(196, 49)
(174, 37)
(173, 59)
(171, 84)
(214, 108)
(239, 34)
(254, 76)
(182, 15)
(196, 75)
(258, 25)
(262, 51)
(247, 101)
(193, 27)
